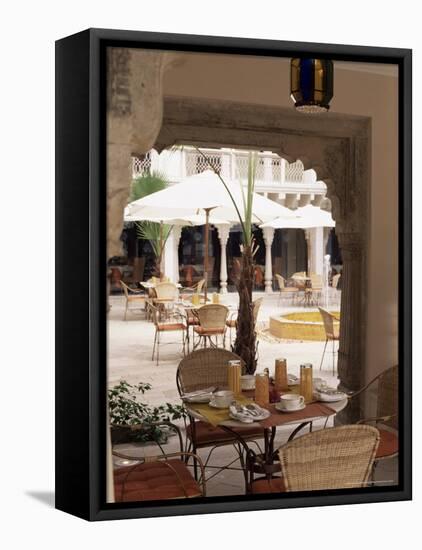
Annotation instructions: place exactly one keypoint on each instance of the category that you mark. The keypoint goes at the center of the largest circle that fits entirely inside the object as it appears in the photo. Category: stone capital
(223, 233)
(268, 233)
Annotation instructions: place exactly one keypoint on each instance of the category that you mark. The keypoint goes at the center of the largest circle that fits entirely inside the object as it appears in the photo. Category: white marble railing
(232, 164)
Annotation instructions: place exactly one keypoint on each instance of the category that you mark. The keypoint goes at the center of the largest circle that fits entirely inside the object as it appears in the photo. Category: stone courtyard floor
(129, 358)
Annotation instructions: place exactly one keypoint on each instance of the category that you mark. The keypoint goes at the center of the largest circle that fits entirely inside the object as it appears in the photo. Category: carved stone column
(177, 233)
(268, 238)
(351, 356)
(223, 235)
(134, 118)
(316, 250)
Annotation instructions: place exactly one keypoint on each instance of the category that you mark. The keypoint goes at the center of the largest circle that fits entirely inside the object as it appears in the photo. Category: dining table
(267, 461)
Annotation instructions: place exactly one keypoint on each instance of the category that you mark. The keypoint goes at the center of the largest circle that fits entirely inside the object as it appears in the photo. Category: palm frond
(150, 231)
(148, 183)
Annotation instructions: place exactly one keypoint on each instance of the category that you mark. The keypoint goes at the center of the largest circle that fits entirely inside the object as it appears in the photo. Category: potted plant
(132, 420)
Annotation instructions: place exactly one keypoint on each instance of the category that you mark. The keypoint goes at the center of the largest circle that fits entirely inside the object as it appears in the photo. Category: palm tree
(245, 344)
(156, 233)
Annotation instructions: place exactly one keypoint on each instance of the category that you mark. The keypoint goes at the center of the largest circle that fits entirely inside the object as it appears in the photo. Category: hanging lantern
(311, 84)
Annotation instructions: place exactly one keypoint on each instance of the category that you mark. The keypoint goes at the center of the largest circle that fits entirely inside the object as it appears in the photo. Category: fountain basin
(305, 325)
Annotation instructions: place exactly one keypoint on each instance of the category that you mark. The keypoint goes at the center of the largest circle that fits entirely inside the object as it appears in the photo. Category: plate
(249, 418)
(280, 408)
(214, 406)
(243, 420)
(327, 398)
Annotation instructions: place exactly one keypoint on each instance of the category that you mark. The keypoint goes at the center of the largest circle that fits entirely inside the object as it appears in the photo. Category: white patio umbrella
(305, 217)
(205, 192)
(195, 219)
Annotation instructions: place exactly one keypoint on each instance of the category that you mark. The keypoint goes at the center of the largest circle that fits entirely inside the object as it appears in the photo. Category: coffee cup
(222, 399)
(291, 401)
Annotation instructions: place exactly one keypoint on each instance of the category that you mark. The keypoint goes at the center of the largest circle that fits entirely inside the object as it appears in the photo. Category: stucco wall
(366, 90)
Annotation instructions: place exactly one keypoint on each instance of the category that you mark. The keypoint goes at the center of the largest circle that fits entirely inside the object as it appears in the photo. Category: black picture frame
(81, 264)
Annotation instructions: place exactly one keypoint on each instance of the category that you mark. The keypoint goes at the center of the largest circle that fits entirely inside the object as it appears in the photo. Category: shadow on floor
(45, 497)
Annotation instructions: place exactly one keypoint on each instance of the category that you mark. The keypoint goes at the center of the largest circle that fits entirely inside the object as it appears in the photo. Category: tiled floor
(129, 357)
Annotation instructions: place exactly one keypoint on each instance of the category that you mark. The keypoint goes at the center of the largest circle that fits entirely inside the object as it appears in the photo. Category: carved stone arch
(335, 146)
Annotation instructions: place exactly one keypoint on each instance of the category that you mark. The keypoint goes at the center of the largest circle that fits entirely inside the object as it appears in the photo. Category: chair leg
(334, 352)
(126, 310)
(153, 347)
(158, 346)
(323, 353)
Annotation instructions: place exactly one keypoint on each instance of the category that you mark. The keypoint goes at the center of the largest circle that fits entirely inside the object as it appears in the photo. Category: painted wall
(360, 89)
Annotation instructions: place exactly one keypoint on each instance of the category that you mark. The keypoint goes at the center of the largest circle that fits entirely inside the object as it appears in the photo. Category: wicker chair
(284, 290)
(385, 388)
(202, 369)
(136, 297)
(232, 322)
(332, 332)
(334, 458)
(166, 292)
(316, 286)
(160, 477)
(335, 280)
(298, 279)
(212, 323)
(174, 325)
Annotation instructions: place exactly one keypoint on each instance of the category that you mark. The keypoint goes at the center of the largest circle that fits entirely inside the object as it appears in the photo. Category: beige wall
(360, 89)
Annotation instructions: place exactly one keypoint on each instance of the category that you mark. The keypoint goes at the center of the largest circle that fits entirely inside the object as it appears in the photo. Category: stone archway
(336, 146)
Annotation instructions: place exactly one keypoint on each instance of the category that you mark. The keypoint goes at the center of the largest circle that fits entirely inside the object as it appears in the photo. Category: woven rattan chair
(212, 323)
(160, 477)
(334, 458)
(332, 332)
(335, 280)
(231, 323)
(186, 292)
(316, 286)
(176, 324)
(385, 389)
(289, 291)
(135, 297)
(205, 368)
(166, 292)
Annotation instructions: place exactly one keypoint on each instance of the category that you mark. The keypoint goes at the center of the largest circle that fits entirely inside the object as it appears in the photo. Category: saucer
(280, 407)
(214, 406)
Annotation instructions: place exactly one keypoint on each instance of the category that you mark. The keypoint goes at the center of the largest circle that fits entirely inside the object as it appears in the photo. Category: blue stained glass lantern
(311, 84)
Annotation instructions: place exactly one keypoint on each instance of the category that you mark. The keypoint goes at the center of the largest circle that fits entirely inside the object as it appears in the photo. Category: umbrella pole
(207, 220)
(161, 250)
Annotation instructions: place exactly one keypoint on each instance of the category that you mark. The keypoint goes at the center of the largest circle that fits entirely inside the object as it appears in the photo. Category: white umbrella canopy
(205, 191)
(195, 219)
(305, 217)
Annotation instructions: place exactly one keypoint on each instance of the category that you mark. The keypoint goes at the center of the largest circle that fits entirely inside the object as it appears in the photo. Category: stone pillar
(268, 239)
(327, 231)
(351, 355)
(171, 254)
(226, 157)
(316, 250)
(268, 167)
(223, 235)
